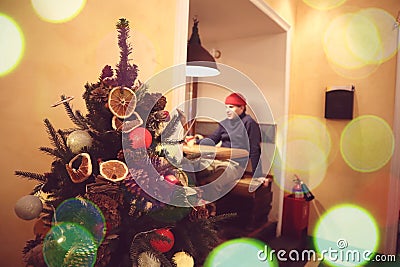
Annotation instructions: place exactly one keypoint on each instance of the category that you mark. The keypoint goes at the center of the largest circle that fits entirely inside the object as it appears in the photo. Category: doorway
(249, 36)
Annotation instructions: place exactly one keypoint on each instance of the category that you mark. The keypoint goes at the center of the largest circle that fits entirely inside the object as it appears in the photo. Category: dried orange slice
(113, 170)
(122, 102)
(84, 170)
(126, 126)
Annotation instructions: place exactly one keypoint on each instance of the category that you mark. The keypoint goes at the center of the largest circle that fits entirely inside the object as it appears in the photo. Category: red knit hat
(235, 99)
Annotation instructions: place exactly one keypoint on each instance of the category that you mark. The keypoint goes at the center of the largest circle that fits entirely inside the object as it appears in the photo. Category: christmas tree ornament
(113, 170)
(161, 102)
(108, 206)
(79, 168)
(122, 102)
(126, 126)
(28, 207)
(199, 213)
(100, 94)
(79, 140)
(165, 244)
(140, 138)
(80, 256)
(183, 259)
(84, 213)
(69, 244)
(146, 259)
(66, 100)
(171, 179)
(163, 115)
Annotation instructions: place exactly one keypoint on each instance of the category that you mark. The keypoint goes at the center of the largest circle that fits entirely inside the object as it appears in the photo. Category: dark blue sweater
(240, 132)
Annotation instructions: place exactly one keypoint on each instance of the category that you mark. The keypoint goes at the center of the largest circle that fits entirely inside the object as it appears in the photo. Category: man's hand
(190, 140)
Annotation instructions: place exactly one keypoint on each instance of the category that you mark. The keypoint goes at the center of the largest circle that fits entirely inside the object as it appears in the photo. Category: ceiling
(229, 19)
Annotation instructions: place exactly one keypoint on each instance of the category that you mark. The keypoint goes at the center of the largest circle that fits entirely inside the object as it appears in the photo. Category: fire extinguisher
(297, 191)
(306, 193)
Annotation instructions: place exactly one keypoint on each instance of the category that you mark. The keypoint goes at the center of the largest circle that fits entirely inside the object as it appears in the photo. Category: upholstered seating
(252, 207)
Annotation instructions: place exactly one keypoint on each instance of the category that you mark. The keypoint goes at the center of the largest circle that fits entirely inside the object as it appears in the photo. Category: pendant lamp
(200, 63)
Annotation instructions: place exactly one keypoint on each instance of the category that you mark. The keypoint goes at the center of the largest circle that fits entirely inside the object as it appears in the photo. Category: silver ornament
(78, 140)
(28, 207)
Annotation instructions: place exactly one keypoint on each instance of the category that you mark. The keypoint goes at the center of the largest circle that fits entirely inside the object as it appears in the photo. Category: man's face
(232, 111)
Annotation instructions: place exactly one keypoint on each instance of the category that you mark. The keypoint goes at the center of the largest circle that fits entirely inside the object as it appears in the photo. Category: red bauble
(163, 245)
(166, 116)
(171, 179)
(140, 137)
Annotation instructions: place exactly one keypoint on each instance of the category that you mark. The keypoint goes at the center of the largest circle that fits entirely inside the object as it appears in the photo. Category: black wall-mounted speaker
(339, 104)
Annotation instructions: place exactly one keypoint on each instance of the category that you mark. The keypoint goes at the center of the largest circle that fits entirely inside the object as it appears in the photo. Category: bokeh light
(58, 11)
(324, 4)
(12, 44)
(386, 33)
(363, 38)
(84, 213)
(336, 43)
(241, 252)
(346, 235)
(357, 43)
(308, 150)
(68, 244)
(367, 143)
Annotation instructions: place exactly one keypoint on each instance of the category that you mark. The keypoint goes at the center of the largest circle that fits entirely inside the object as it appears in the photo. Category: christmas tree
(109, 197)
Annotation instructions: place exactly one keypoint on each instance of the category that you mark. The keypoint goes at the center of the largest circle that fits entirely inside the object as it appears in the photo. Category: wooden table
(213, 152)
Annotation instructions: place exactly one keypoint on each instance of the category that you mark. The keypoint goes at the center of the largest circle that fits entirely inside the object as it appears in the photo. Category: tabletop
(220, 153)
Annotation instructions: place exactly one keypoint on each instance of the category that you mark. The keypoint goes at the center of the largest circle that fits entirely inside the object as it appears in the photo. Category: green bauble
(28, 207)
(78, 140)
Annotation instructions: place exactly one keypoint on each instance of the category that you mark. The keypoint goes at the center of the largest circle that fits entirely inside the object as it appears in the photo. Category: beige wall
(60, 59)
(310, 74)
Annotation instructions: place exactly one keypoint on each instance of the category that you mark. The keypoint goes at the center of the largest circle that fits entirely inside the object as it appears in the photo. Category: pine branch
(187, 241)
(66, 132)
(82, 119)
(37, 188)
(210, 234)
(170, 128)
(31, 176)
(163, 259)
(75, 119)
(67, 151)
(172, 141)
(30, 244)
(55, 139)
(126, 73)
(51, 151)
(222, 217)
(137, 247)
(141, 92)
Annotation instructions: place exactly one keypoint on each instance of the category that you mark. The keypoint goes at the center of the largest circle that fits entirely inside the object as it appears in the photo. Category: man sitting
(238, 130)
